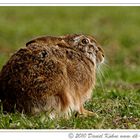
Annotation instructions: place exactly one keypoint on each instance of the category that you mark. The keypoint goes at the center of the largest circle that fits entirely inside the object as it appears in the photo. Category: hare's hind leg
(59, 105)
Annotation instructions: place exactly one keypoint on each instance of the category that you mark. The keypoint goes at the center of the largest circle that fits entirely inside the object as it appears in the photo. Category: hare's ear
(43, 39)
(30, 42)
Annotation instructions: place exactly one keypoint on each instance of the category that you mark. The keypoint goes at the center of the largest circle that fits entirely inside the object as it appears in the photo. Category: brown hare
(51, 74)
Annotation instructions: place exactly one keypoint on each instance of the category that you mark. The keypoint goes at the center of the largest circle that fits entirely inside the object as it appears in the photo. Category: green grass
(117, 99)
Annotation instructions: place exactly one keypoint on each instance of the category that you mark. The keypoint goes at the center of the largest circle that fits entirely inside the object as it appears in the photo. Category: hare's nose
(103, 55)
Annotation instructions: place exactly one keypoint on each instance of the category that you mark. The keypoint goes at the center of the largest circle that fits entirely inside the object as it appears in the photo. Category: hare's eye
(85, 41)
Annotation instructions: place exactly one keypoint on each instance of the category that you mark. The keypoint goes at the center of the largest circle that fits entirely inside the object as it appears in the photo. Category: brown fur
(51, 74)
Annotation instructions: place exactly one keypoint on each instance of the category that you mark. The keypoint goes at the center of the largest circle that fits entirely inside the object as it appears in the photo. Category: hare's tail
(1, 91)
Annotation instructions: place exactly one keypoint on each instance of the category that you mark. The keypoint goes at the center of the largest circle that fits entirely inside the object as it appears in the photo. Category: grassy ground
(116, 98)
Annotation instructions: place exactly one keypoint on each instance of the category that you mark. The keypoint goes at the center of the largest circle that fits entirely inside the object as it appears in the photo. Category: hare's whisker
(99, 78)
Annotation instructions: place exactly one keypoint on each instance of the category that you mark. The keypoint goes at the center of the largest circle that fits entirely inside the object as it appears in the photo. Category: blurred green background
(117, 29)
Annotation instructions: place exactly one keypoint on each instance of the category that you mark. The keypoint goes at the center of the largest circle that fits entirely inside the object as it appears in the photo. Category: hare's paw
(87, 113)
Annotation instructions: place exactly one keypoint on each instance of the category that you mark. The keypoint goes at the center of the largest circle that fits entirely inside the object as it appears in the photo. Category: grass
(117, 99)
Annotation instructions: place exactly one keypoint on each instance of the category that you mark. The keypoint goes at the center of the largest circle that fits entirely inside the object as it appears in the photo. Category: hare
(51, 74)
